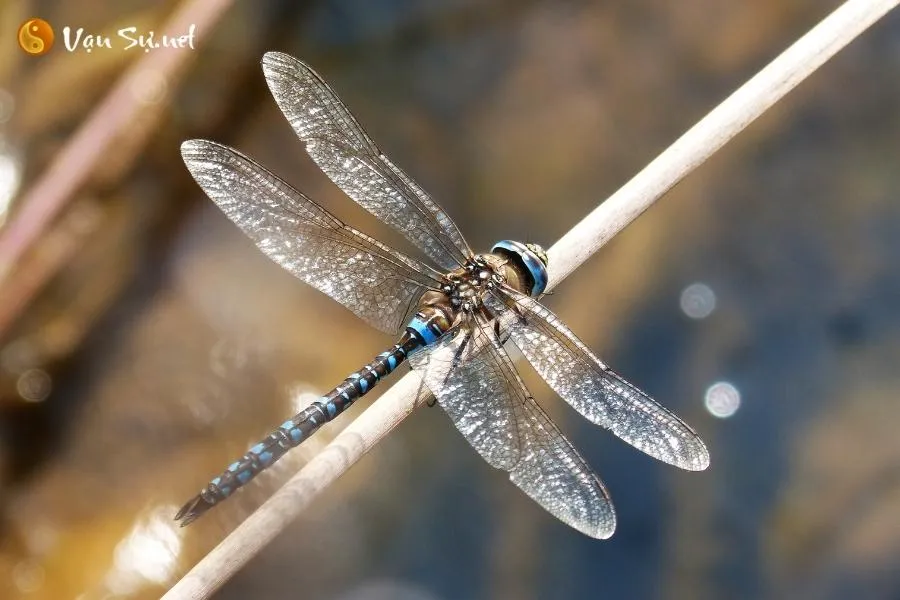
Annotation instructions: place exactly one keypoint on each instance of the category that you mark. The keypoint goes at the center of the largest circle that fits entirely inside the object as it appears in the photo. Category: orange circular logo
(36, 36)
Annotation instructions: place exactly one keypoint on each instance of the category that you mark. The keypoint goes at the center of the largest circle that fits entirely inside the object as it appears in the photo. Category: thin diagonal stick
(689, 151)
(76, 161)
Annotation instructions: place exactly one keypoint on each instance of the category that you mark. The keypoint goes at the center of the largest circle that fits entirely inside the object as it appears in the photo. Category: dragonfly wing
(338, 144)
(377, 283)
(555, 476)
(593, 389)
(483, 390)
(474, 393)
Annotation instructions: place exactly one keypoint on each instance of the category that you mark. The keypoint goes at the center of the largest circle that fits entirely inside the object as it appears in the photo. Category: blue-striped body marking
(223, 489)
(243, 475)
(373, 372)
(426, 330)
(293, 431)
(362, 382)
(390, 360)
(260, 450)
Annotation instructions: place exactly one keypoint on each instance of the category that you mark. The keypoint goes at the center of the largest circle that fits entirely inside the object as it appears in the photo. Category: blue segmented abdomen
(296, 430)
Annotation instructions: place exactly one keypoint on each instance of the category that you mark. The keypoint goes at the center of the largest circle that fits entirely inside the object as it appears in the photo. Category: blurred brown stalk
(101, 133)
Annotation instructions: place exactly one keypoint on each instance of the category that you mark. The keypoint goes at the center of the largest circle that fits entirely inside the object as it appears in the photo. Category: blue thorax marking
(423, 330)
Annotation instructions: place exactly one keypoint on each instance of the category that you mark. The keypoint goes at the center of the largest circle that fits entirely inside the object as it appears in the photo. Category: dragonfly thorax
(462, 293)
(465, 287)
(522, 267)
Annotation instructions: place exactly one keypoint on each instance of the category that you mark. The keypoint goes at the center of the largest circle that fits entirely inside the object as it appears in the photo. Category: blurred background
(145, 343)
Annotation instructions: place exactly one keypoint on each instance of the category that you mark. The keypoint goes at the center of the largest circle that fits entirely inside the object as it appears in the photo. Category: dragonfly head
(528, 259)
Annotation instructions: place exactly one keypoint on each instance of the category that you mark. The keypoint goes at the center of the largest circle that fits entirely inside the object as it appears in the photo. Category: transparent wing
(593, 389)
(474, 393)
(377, 283)
(337, 143)
(484, 388)
(555, 476)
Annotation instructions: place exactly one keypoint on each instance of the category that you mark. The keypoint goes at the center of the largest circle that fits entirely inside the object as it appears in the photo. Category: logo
(36, 36)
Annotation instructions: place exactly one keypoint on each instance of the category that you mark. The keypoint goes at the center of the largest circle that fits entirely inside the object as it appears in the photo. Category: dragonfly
(453, 320)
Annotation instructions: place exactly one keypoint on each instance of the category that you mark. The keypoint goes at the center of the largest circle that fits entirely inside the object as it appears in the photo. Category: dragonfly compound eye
(529, 261)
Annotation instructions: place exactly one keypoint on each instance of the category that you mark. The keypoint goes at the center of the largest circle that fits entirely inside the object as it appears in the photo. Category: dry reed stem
(688, 152)
(76, 161)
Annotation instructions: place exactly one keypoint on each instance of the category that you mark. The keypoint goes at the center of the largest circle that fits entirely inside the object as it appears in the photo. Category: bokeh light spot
(698, 301)
(722, 399)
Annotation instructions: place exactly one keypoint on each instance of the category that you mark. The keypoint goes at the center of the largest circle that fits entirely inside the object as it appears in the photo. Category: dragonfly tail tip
(192, 510)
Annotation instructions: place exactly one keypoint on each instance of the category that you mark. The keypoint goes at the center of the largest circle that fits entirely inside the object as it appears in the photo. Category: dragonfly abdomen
(299, 428)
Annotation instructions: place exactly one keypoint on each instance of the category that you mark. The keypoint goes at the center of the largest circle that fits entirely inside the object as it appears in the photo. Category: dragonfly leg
(501, 339)
(423, 389)
(457, 356)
